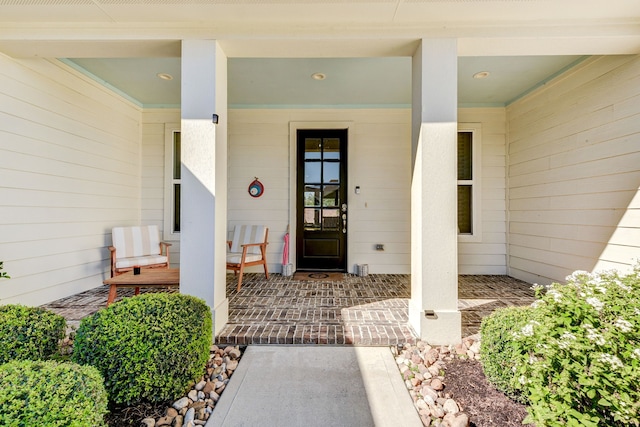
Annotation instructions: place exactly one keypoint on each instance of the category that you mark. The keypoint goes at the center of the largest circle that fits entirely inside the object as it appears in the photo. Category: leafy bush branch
(3, 274)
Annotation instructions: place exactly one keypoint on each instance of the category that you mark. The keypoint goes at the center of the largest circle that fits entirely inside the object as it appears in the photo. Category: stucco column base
(445, 328)
(220, 316)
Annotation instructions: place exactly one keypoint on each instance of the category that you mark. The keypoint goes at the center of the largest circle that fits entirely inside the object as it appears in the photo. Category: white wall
(487, 254)
(154, 138)
(380, 163)
(69, 171)
(574, 172)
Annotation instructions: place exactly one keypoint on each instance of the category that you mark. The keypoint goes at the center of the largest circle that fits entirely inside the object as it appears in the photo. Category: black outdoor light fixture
(215, 119)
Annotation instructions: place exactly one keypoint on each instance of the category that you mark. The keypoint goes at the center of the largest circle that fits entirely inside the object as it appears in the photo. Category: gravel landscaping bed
(449, 389)
(446, 383)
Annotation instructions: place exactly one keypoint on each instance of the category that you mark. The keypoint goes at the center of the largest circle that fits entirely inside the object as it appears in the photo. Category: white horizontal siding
(488, 255)
(153, 172)
(574, 172)
(380, 163)
(69, 172)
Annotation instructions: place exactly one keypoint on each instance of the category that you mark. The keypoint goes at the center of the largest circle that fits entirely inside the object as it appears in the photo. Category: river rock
(189, 417)
(181, 403)
(164, 421)
(461, 420)
(450, 406)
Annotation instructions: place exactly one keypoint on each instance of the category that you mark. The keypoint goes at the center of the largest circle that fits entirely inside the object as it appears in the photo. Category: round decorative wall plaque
(256, 189)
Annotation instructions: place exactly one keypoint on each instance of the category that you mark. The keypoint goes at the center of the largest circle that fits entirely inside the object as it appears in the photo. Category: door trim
(293, 174)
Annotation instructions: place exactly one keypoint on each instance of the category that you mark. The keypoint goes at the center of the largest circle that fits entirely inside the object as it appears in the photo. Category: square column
(433, 309)
(203, 228)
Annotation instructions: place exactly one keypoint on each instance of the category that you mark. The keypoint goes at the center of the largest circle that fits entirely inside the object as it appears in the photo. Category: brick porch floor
(371, 310)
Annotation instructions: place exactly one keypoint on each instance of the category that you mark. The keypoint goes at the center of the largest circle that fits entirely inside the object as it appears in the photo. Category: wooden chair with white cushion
(247, 248)
(138, 246)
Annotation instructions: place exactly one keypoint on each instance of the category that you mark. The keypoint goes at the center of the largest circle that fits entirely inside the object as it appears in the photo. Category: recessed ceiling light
(481, 75)
(164, 76)
(318, 76)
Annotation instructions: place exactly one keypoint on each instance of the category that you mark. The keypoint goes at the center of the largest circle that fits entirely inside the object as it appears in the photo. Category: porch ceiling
(350, 82)
(126, 42)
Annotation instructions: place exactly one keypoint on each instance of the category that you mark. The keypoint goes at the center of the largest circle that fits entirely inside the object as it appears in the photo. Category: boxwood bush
(50, 393)
(499, 351)
(149, 348)
(29, 333)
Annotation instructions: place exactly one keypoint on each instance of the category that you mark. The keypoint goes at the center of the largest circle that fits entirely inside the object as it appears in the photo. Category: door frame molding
(294, 126)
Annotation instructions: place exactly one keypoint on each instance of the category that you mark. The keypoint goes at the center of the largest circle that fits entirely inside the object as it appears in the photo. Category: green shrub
(499, 351)
(3, 274)
(29, 333)
(150, 347)
(49, 393)
(582, 367)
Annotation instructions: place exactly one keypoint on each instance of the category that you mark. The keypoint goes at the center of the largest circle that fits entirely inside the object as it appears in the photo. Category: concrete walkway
(292, 386)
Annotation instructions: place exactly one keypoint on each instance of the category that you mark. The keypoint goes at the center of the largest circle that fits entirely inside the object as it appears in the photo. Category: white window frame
(474, 182)
(169, 233)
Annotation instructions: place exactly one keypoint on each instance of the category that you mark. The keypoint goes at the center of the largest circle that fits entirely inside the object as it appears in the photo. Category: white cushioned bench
(137, 246)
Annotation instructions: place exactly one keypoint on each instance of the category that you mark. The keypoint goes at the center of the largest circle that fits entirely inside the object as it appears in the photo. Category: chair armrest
(165, 245)
(247, 245)
(255, 244)
(112, 248)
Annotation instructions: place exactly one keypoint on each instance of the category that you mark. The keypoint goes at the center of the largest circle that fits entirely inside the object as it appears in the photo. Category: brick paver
(371, 310)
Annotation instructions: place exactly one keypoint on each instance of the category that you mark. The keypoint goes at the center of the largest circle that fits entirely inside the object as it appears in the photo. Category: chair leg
(240, 277)
(113, 291)
(266, 271)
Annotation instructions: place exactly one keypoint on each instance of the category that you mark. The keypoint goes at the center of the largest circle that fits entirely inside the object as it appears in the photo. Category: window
(173, 182)
(469, 182)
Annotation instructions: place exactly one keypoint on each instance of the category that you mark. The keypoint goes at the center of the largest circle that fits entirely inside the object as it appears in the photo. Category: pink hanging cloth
(285, 251)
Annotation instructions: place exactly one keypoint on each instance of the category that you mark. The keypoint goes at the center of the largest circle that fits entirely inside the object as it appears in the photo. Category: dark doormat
(318, 275)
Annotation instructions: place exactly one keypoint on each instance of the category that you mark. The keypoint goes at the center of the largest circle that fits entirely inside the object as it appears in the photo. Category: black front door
(321, 200)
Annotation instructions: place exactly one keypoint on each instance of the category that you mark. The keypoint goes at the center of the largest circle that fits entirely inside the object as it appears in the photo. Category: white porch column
(434, 244)
(203, 227)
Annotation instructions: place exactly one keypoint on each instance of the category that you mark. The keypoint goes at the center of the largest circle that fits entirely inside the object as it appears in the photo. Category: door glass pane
(311, 219)
(464, 209)
(331, 196)
(312, 171)
(330, 219)
(464, 156)
(312, 148)
(176, 155)
(331, 148)
(312, 195)
(331, 173)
